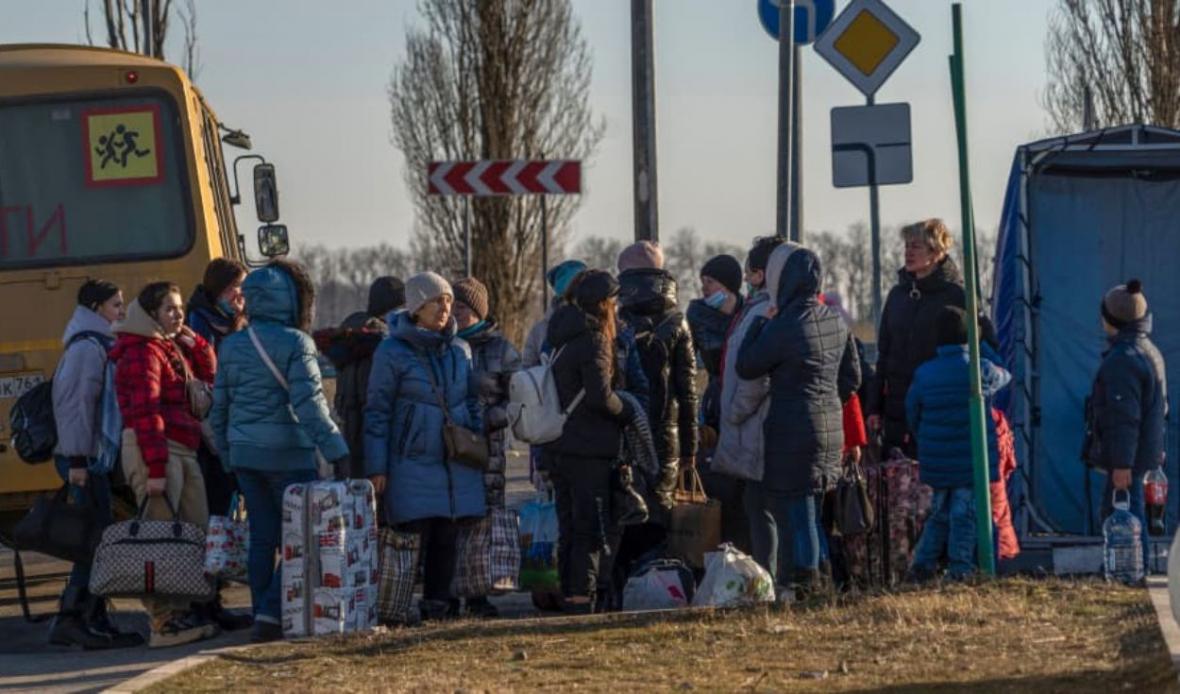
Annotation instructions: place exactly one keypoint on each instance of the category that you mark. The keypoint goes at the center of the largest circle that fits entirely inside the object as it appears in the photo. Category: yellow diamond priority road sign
(866, 43)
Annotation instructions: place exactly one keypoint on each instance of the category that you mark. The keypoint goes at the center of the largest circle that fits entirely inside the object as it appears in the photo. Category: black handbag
(854, 510)
(61, 529)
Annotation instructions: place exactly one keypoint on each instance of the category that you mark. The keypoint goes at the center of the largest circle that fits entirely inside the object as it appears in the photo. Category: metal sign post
(779, 18)
(544, 257)
(786, 113)
(866, 43)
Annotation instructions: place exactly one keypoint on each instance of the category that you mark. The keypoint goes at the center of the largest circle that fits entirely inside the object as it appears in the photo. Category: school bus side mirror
(273, 241)
(266, 193)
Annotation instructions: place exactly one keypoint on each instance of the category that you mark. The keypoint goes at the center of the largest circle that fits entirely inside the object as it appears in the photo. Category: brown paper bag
(695, 525)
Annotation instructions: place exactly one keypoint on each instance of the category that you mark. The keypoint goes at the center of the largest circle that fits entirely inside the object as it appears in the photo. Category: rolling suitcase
(900, 503)
(330, 570)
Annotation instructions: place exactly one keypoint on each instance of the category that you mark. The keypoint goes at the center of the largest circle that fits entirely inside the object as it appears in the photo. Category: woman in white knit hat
(417, 369)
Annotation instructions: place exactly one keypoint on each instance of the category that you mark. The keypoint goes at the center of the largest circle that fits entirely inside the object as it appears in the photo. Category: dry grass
(1013, 635)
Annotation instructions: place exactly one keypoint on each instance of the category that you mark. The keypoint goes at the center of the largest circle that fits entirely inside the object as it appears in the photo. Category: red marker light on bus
(131, 76)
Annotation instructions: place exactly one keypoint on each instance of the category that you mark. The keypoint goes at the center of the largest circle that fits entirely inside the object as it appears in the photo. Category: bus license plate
(12, 387)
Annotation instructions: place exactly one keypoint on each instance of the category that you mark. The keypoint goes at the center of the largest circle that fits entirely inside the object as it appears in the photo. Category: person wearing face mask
(215, 311)
(269, 431)
(710, 319)
(215, 308)
(155, 354)
(78, 386)
(420, 368)
(493, 361)
(907, 336)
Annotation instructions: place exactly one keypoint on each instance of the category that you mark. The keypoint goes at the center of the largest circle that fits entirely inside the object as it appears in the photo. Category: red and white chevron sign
(505, 177)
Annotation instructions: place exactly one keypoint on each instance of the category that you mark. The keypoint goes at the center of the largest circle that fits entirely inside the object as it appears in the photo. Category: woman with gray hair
(929, 282)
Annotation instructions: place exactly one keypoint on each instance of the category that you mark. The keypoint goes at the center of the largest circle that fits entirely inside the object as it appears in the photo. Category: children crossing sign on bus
(122, 145)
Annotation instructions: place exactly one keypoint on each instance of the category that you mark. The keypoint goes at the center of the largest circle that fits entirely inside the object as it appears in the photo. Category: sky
(307, 79)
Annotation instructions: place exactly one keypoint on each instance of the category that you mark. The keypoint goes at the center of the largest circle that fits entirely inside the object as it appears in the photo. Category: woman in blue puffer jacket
(268, 431)
(417, 367)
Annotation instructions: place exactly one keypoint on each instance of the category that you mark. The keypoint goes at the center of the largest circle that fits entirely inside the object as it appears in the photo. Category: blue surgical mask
(716, 300)
(227, 308)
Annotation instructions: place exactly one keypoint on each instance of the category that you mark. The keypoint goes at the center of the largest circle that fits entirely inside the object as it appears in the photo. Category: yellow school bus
(111, 167)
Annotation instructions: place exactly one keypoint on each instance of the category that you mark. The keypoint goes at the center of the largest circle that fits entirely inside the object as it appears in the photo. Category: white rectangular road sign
(871, 144)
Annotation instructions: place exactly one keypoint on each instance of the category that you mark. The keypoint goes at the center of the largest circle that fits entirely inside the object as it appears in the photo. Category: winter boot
(70, 627)
(481, 608)
(99, 621)
(228, 620)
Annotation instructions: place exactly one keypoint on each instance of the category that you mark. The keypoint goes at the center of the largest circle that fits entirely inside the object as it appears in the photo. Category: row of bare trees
(343, 275)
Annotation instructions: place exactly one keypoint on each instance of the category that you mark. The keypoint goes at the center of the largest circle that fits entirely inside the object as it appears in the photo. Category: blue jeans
(1138, 509)
(951, 525)
(99, 487)
(264, 509)
(785, 531)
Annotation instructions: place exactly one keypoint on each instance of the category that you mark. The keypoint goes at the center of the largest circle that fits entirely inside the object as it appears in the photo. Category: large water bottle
(1123, 536)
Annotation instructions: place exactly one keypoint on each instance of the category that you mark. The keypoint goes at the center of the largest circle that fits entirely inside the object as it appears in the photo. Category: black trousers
(586, 534)
(730, 491)
(219, 484)
(439, 536)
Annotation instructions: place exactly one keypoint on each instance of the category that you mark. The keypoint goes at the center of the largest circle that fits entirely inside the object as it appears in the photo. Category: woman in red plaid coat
(155, 356)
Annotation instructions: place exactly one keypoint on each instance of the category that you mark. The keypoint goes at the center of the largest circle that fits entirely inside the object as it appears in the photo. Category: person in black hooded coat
(350, 348)
(811, 359)
(907, 337)
(581, 333)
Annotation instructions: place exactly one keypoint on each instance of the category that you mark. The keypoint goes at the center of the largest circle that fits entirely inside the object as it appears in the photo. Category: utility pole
(643, 120)
(786, 107)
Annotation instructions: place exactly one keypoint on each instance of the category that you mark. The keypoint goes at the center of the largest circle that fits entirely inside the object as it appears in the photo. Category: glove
(488, 385)
(341, 469)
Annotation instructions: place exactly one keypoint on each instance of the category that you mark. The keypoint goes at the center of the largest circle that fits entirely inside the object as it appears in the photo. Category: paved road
(27, 663)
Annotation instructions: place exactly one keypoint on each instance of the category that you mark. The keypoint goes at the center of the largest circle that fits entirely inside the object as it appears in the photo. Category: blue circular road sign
(811, 17)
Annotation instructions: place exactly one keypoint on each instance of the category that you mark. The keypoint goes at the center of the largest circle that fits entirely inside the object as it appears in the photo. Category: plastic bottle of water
(1123, 536)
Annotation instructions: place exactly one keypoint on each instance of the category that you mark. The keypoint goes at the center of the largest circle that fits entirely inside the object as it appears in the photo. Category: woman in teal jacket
(418, 366)
(268, 431)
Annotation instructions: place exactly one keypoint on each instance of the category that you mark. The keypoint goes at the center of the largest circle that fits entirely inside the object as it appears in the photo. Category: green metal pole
(982, 477)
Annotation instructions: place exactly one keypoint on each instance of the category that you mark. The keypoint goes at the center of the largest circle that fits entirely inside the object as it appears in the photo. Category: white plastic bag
(664, 584)
(227, 544)
(733, 579)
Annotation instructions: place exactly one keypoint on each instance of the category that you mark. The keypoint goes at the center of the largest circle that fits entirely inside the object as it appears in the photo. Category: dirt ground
(1011, 635)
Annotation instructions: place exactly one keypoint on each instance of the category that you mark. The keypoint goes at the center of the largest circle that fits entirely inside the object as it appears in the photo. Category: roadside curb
(163, 672)
(1157, 588)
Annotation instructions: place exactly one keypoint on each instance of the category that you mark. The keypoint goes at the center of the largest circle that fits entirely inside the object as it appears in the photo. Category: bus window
(216, 169)
(117, 190)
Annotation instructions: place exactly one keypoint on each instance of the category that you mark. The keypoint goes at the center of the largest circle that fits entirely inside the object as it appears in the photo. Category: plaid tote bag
(488, 561)
(397, 572)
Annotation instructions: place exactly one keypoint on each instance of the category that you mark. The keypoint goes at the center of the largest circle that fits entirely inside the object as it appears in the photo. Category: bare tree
(598, 252)
(492, 79)
(342, 276)
(124, 24)
(1121, 56)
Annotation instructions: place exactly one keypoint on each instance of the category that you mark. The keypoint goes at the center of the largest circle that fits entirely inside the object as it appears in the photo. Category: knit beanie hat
(560, 275)
(472, 292)
(95, 293)
(595, 287)
(643, 254)
(725, 269)
(951, 326)
(386, 294)
(1125, 304)
(424, 287)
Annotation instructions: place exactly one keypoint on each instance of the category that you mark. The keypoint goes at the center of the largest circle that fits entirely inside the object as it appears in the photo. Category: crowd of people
(227, 396)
